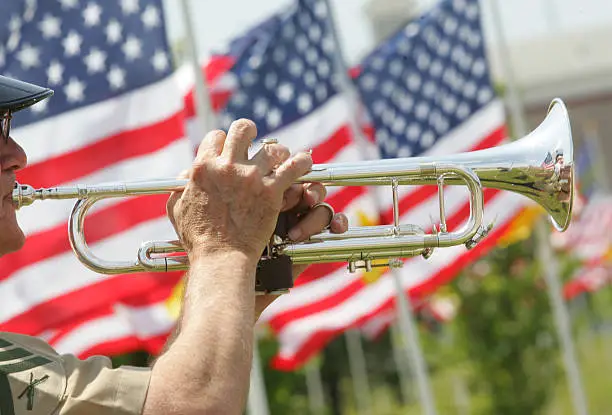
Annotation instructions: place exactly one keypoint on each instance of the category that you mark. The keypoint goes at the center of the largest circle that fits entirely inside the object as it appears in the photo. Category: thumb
(173, 199)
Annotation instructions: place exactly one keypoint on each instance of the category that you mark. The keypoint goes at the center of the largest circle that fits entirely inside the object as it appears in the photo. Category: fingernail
(315, 196)
(295, 234)
(340, 221)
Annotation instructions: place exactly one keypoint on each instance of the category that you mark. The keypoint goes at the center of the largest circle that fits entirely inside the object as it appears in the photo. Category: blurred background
(520, 324)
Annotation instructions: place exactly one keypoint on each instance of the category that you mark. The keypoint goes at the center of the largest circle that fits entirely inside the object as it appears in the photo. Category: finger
(292, 169)
(212, 145)
(339, 223)
(239, 137)
(312, 194)
(292, 197)
(312, 223)
(269, 157)
(174, 197)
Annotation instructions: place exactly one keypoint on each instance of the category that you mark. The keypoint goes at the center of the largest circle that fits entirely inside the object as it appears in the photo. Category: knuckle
(224, 167)
(251, 173)
(214, 134)
(278, 152)
(319, 189)
(270, 191)
(244, 126)
(197, 168)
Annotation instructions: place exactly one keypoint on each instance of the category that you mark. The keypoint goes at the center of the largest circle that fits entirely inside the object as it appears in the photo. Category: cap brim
(16, 95)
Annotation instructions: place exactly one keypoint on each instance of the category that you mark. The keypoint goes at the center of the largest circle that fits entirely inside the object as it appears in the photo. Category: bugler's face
(12, 158)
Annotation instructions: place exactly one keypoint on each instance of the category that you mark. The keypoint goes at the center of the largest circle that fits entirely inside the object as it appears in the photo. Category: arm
(206, 369)
(224, 218)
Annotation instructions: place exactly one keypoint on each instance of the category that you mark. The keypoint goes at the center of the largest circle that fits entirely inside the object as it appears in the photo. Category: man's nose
(15, 157)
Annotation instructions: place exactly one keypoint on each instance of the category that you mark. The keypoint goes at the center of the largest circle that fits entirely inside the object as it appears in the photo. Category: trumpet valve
(366, 264)
(428, 252)
(395, 263)
(483, 231)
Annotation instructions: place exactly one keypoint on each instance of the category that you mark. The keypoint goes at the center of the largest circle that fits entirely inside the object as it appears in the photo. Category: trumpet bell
(539, 166)
(551, 144)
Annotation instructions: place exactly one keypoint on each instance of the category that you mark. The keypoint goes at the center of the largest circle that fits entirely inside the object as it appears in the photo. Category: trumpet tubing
(538, 166)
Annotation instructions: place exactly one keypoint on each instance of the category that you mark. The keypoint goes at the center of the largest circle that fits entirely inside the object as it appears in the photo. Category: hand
(232, 203)
(300, 198)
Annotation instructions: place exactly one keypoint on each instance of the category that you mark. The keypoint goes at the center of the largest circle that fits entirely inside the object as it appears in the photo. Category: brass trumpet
(539, 166)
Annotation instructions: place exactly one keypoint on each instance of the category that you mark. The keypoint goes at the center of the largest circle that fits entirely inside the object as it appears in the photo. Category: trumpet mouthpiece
(23, 195)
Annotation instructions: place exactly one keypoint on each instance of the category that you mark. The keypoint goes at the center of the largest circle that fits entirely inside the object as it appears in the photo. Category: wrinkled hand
(232, 203)
(300, 198)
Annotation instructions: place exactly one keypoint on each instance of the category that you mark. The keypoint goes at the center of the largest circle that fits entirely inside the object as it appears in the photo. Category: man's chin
(11, 241)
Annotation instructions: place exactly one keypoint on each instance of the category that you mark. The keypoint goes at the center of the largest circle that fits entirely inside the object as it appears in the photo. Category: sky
(218, 21)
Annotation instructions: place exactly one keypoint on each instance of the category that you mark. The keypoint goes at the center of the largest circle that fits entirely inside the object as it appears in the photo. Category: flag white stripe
(61, 134)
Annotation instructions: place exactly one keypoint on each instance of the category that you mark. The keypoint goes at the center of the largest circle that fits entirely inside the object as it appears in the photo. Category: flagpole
(258, 402)
(401, 362)
(204, 114)
(314, 385)
(545, 254)
(408, 329)
(410, 338)
(591, 133)
(359, 372)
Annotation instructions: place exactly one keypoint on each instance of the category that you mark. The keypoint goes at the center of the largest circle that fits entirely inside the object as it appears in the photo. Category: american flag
(140, 318)
(117, 114)
(311, 113)
(588, 238)
(588, 278)
(428, 93)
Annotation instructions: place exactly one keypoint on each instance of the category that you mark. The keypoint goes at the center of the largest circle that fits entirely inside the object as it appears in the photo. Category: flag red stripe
(328, 149)
(213, 70)
(217, 66)
(101, 154)
(319, 339)
(159, 294)
(99, 225)
(342, 198)
(154, 345)
(279, 321)
(218, 100)
(70, 306)
(316, 271)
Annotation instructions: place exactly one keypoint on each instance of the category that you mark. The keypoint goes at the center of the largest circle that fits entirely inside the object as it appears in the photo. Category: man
(224, 217)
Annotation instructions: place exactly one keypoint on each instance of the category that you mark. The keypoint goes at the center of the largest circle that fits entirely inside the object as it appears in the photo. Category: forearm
(206, 369)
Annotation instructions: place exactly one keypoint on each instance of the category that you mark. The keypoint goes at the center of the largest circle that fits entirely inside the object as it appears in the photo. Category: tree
(506, 331)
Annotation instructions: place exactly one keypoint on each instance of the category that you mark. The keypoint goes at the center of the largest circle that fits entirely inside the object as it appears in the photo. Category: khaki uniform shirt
(36, 380)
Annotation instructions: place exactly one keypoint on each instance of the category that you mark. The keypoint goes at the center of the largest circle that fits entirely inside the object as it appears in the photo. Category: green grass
(595, 358)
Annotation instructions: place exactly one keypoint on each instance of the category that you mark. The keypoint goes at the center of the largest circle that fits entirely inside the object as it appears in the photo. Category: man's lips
(9, 195)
